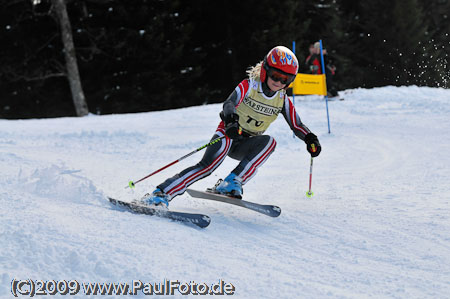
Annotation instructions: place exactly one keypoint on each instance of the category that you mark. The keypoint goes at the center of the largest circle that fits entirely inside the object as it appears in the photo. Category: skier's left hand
(312, 144)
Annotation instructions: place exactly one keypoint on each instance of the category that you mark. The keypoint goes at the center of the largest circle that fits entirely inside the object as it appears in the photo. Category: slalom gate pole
(132, 184)
(293, 94)
(326, 96)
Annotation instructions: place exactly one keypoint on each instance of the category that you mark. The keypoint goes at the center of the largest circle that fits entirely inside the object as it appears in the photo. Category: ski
(199, 220)
(269, 210)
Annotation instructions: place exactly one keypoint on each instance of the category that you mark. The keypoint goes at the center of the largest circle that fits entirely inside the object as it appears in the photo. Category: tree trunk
(71, 60)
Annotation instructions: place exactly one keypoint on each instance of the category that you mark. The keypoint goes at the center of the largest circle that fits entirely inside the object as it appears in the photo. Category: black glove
(232, 128)
(312, 144)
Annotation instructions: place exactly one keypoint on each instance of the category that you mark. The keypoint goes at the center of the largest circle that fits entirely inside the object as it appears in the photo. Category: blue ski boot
(157, 198)
(231, 186)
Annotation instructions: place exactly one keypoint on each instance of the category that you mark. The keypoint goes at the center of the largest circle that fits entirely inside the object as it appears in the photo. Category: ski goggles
(279, 76)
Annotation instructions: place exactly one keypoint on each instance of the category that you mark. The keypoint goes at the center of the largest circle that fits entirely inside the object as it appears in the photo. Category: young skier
(247, 113)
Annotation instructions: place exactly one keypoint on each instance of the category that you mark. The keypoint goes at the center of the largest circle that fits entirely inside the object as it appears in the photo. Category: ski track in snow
(377, 227)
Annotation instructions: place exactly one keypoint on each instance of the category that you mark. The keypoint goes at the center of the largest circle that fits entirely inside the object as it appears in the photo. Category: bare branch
(15, 75)
(45, 77)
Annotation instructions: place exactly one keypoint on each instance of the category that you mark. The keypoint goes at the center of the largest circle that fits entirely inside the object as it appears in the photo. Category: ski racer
(247, 113)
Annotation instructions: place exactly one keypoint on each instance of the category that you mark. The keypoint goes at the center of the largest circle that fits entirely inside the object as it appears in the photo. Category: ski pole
(310, 193)
(131, 184)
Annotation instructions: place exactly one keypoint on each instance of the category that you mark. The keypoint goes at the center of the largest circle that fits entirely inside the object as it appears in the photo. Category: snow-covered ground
(378, 225)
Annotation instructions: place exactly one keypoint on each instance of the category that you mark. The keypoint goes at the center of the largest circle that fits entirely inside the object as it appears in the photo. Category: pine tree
(234, 35)
(392, 36)
(437, 16)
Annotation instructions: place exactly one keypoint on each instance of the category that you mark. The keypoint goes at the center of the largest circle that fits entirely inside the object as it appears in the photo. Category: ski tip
(276, 211)
(206, 221)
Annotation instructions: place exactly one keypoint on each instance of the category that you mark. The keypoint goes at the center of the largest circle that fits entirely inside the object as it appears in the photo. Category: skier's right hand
(232, 128)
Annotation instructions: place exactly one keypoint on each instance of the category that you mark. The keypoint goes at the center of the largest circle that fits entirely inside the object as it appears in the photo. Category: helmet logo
(285, 58)
(274, 61)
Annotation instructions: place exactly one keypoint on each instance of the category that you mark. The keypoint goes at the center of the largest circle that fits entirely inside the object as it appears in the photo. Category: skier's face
(275, 85)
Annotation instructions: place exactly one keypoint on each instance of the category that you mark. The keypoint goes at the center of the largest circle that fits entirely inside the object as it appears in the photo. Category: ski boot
(231, 186)
(156, 199)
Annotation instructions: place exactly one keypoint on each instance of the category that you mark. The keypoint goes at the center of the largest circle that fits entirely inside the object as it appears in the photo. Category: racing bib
(257, 111)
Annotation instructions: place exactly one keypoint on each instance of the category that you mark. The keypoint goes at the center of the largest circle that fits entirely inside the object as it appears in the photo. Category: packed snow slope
(377, 227)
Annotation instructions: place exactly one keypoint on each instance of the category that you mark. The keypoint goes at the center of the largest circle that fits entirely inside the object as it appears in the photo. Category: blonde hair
(254, 72)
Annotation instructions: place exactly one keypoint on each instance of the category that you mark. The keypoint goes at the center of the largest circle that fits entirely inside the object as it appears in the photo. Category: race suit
(257, 107)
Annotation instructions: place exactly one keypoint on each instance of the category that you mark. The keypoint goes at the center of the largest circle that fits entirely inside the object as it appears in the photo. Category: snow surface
(377, 227)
